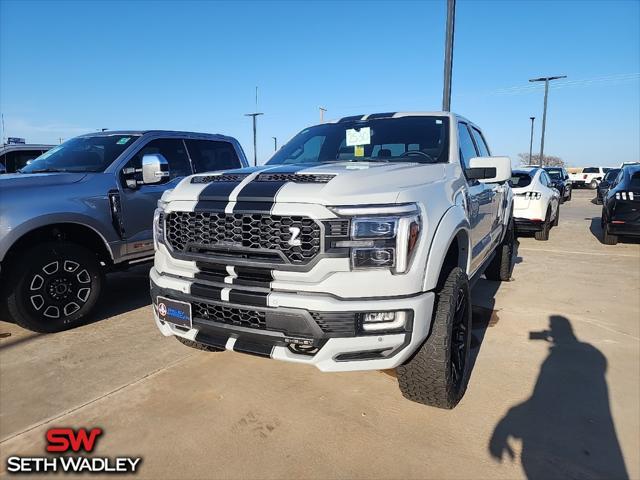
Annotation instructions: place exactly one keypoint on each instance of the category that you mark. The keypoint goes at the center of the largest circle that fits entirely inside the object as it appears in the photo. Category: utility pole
(255, 135)
(255, 130)
(322, 110)
(544, 112)
(275, 144)
(448, 55)
(531, 142)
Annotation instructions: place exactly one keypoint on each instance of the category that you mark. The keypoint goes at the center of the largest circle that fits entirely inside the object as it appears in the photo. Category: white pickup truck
(589, 177)
(353, 249)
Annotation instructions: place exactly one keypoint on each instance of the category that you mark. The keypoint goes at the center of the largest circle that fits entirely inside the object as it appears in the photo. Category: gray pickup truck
(86, 207)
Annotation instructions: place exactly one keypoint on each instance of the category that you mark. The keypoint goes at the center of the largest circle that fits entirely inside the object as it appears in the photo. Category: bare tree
(549, 160)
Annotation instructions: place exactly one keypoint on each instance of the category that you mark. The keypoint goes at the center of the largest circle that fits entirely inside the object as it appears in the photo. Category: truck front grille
(248, 235)
(239, 317)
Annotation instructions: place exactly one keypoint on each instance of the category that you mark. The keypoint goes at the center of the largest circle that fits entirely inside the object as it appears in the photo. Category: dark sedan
(621, 208)
(606, 183)
(560, 181)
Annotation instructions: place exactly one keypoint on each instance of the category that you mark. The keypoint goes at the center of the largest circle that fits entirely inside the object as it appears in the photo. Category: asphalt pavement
(555, 386)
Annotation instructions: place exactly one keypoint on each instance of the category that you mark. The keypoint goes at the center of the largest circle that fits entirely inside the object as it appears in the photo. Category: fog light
(372, 257)
(376, 321)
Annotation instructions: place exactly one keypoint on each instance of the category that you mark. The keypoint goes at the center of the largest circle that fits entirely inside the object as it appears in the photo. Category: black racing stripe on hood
(210, 206)
(265, 192)
(253, 207)
(218, 191)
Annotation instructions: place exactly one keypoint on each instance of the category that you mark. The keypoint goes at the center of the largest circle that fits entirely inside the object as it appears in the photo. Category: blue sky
(71, 67)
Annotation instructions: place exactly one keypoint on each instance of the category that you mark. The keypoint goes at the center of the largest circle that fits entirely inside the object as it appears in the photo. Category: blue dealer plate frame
(174, 312)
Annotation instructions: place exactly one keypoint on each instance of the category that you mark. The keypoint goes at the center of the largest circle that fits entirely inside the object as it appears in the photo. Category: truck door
(138, 204)
(481, 202)
(497, 207)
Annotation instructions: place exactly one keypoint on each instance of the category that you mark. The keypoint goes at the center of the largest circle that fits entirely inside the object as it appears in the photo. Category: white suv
(352, 249)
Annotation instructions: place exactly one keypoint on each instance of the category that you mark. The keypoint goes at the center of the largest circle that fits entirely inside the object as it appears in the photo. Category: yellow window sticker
(358, 151)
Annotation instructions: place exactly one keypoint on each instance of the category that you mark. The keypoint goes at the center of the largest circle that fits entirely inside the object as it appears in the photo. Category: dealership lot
(200, 415)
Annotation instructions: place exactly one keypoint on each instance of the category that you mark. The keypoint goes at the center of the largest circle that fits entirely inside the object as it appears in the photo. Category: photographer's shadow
(565, 426)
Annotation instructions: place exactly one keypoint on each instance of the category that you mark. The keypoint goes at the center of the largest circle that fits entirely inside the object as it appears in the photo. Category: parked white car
(589, 177)
(536, 203)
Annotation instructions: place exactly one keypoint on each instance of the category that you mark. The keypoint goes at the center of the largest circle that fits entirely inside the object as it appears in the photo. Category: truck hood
(26, 180)
(339, 183)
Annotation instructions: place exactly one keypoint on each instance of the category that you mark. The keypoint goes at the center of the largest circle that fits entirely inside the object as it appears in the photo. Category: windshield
(555, 174)
(520, 179)
(81, 154)
(407, 139)
(611, 174)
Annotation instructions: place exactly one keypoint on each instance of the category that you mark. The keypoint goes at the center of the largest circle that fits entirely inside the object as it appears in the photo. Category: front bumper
(324, 324)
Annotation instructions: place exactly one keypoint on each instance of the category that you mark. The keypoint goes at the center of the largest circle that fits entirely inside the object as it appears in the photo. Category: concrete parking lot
(564, 402)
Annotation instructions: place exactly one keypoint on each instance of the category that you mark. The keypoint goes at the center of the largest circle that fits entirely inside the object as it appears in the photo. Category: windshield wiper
(44, 170)
(358, 159)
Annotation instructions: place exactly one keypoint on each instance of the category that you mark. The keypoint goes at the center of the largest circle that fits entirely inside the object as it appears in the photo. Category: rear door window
(467, 148)
(480, 143)
(208, 156)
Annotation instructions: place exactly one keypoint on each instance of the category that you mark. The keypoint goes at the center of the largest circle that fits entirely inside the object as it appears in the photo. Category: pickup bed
(353, 248)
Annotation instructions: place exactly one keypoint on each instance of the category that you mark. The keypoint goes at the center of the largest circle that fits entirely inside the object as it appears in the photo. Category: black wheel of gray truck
(543, 234)
(500, 268)
(54, 286)
(437, 374)
(198, 345)
(570, 193)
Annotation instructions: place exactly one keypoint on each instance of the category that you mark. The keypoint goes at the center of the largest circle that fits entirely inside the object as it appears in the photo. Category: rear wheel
(438, 372)
(594, 184)
(557, 219)
(501, 266)
(56, 288)
(608, 238)
(543, 234)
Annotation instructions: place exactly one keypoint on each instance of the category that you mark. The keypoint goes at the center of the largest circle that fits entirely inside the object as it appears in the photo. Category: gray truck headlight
(382, 236)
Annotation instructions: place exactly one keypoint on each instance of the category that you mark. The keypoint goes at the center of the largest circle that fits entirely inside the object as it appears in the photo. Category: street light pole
(255, 136)
(531, 142)
(275, 144)
(544, 112)
(448, 55)
(322, 110)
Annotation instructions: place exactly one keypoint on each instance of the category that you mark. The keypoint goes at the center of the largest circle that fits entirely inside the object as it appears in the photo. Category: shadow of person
(565, 426)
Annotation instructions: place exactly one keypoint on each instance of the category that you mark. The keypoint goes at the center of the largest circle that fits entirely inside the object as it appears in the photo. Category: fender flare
(452, 224)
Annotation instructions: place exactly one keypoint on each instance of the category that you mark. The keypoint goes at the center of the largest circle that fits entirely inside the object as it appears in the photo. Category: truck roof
(370, 116)
(177, 133)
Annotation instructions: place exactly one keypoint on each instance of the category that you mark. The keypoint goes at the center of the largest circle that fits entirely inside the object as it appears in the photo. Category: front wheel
(438, 372)
(569, 197)
(54, 286)
(594, 184)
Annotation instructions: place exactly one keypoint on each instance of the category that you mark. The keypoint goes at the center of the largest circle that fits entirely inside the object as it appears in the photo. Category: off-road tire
(608, 238)
(500, 268)
(38, 276)
(198, 345)
(428, 376)
(543, 235)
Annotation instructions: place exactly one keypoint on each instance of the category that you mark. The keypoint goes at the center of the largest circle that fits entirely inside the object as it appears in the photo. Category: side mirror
(155, 168)
(489, 169)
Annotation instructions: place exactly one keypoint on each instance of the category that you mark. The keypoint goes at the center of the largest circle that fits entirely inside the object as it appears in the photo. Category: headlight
(382, 237)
